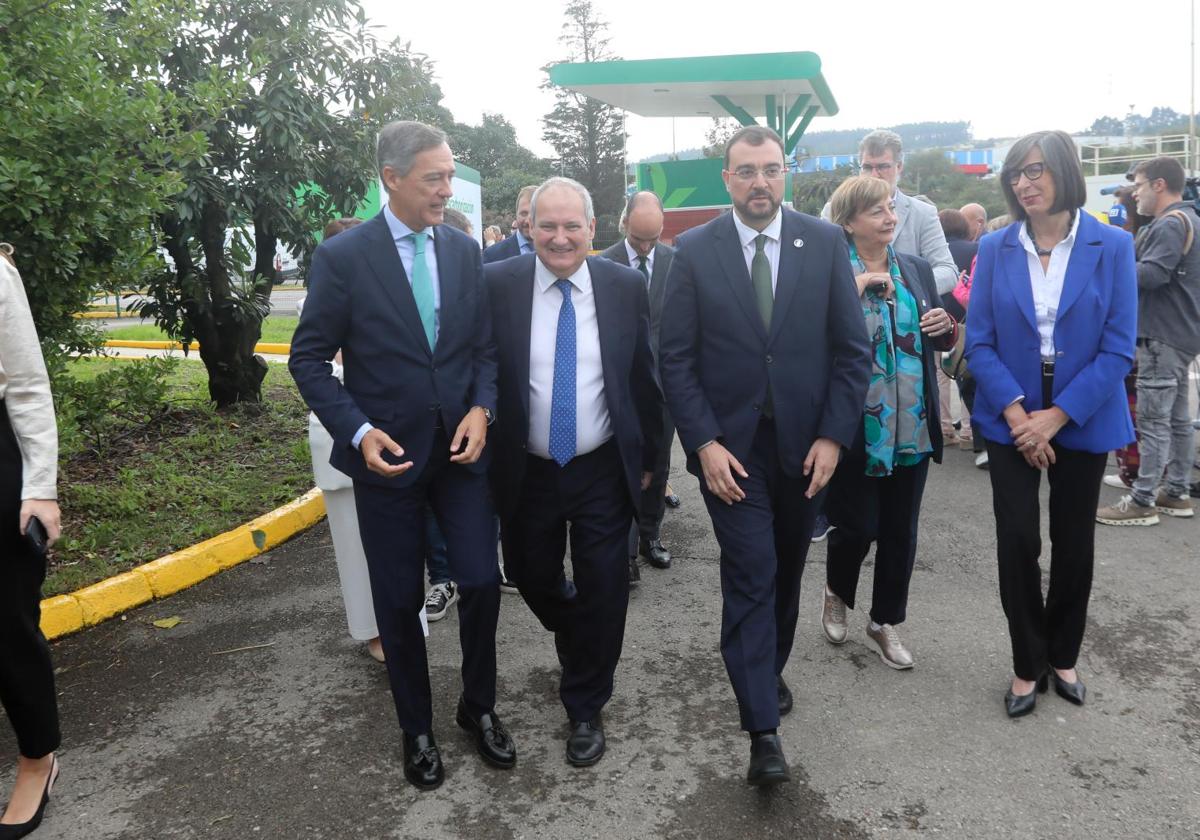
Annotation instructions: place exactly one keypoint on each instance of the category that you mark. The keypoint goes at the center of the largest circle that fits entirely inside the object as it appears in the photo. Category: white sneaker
(439, 599)
(1115, 481)
(981, 460)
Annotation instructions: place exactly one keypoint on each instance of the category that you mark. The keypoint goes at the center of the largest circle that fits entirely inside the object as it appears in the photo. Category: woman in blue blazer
(1050, 337)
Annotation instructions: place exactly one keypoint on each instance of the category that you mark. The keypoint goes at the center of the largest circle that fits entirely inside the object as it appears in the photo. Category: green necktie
(422, 287)
(642, 267)
(760, 277)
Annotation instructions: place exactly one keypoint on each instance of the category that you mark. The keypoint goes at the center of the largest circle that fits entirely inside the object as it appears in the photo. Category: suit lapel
(619, 254)
(658, 278)
(389, 271)
(903, 207)
(521, 317)
(1080, 267)
(733, 265)
(449, 281)
(791, 262)
(608, 324)
(1016, 268)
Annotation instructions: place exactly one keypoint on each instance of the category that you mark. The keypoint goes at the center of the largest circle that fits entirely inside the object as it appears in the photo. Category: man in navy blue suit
(765, 364)
(402, 296)
(521, 241)
(579, 424)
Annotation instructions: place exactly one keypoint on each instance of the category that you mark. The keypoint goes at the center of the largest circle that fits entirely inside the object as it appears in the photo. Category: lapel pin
(799, 243)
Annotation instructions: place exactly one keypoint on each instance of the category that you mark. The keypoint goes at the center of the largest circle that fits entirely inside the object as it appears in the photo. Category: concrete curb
(66, 614)
(261, 347)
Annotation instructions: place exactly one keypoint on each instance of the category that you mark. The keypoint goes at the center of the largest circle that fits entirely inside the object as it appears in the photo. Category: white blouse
(25, 389)
(1048, 283)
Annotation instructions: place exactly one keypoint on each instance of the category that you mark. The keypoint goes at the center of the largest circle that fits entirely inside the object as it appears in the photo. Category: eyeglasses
(750, 174)
(876, 168)
(1032, 172)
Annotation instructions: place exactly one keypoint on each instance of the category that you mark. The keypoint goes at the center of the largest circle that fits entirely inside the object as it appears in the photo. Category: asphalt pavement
(257, 715)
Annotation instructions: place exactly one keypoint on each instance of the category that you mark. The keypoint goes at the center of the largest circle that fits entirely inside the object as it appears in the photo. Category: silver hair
(570, 183)
(400, 142)
(879, 141)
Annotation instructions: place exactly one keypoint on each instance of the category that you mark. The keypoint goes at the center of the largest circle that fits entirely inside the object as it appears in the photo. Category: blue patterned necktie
(422, 288)
(562, 395)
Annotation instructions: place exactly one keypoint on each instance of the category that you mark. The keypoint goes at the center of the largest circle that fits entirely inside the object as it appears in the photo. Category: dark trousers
(764, 540)
(392, 523)
(587, 500)
(26, 674)
(653, 504)
(882, 510)
(1050, 631)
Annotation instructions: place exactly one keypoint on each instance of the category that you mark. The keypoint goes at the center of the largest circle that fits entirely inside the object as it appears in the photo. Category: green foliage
(588, 135)
(811, 190)
(97, 412)
(276, 329)
(931, 173)
(88, 150)
(504, 165)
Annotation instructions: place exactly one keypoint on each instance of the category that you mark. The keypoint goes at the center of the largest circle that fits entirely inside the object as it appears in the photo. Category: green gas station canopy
(787, 89)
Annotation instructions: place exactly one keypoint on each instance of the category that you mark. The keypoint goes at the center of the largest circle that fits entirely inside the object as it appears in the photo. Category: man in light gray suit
(917, 228)
(642, 224)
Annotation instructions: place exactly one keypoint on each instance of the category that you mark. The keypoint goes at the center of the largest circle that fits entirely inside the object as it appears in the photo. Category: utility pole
(1191, 153)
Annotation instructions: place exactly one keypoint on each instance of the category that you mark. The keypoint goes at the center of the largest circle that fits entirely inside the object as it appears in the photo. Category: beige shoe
(1172, 506)
(891, 650)
(1127, 512)
(833, 618)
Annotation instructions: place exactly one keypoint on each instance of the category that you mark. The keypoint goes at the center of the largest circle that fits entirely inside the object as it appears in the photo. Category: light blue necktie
(562, 395)
(422, 288)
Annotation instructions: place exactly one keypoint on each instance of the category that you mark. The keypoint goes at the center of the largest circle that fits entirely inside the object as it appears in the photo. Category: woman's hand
(877, 281)
(1039, 427)
(936, 322)
(45, 510)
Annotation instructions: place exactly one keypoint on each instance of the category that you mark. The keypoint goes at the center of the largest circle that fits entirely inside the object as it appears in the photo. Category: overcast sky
(1008, 68)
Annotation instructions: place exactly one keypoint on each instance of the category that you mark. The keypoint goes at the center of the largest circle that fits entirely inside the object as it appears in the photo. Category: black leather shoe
(673, 501)
(785, 696)
(491, 739)
(422, 761)
(767, 764)
(1071, 692)
(1019, 705)
(635, 573)
(11, 831)
(585, 744)
(656, 555)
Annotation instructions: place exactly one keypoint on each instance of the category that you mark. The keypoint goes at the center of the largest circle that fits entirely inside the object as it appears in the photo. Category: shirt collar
(522, 241)
(545, 278)
(746, 234)
(1069, 240)
(634, 255)
(398, 228)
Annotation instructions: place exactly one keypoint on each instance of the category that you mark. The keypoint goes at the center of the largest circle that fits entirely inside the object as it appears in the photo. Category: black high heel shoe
(11, 831)
(1019, 705)
(1071, 692)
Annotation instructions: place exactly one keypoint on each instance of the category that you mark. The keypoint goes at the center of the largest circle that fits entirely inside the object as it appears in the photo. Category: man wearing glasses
(764, 363)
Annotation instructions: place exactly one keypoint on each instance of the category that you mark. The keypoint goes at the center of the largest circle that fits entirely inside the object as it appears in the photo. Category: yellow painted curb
(65, 614)
(261, 347)
(99, 313)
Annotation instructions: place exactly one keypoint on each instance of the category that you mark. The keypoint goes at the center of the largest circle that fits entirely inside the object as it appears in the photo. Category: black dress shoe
(491, 739)
(1019, 705)
(1071, 692)
(12, 831)
(422, 761)
(635, 573)
(585, 744)
(656, 555)
(673, 501)
(785, 696)
(767, 764)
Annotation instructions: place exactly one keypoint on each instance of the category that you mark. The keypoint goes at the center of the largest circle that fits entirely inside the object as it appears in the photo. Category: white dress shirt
(593, 426)
(1048, 283)
(25, 389)
(747, 236)
(634, 257)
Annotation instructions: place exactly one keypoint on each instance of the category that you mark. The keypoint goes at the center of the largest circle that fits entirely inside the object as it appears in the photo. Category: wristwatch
(487, 414)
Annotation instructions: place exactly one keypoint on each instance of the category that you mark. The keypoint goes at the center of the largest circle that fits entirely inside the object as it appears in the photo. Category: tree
(87, 151)
(503, 163)
(932, 174)
(811, 190)
(717, 135)
(302, 88)
(588, 135)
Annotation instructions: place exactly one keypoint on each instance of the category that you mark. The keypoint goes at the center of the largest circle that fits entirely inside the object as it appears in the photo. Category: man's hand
(719, 465)
(472, 429)
(372, 445)
(647, 477)
(45, 510)
(822, 460)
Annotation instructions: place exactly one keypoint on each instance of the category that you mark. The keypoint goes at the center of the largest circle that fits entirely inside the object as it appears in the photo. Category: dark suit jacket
(635, 403)
(658, 284)
(717, 357)
(502, 250)
(360, 302)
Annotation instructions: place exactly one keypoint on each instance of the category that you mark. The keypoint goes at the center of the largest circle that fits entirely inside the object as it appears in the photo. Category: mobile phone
(35, 532)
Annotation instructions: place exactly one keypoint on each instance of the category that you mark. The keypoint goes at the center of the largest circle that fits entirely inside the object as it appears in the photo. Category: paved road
(170, 736)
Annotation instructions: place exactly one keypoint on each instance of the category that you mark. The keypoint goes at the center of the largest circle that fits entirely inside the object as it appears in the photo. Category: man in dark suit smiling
(578, 428)
(765, 364)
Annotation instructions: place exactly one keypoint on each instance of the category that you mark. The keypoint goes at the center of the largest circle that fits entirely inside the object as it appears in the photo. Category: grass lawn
(188, 475)
(277, 329)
